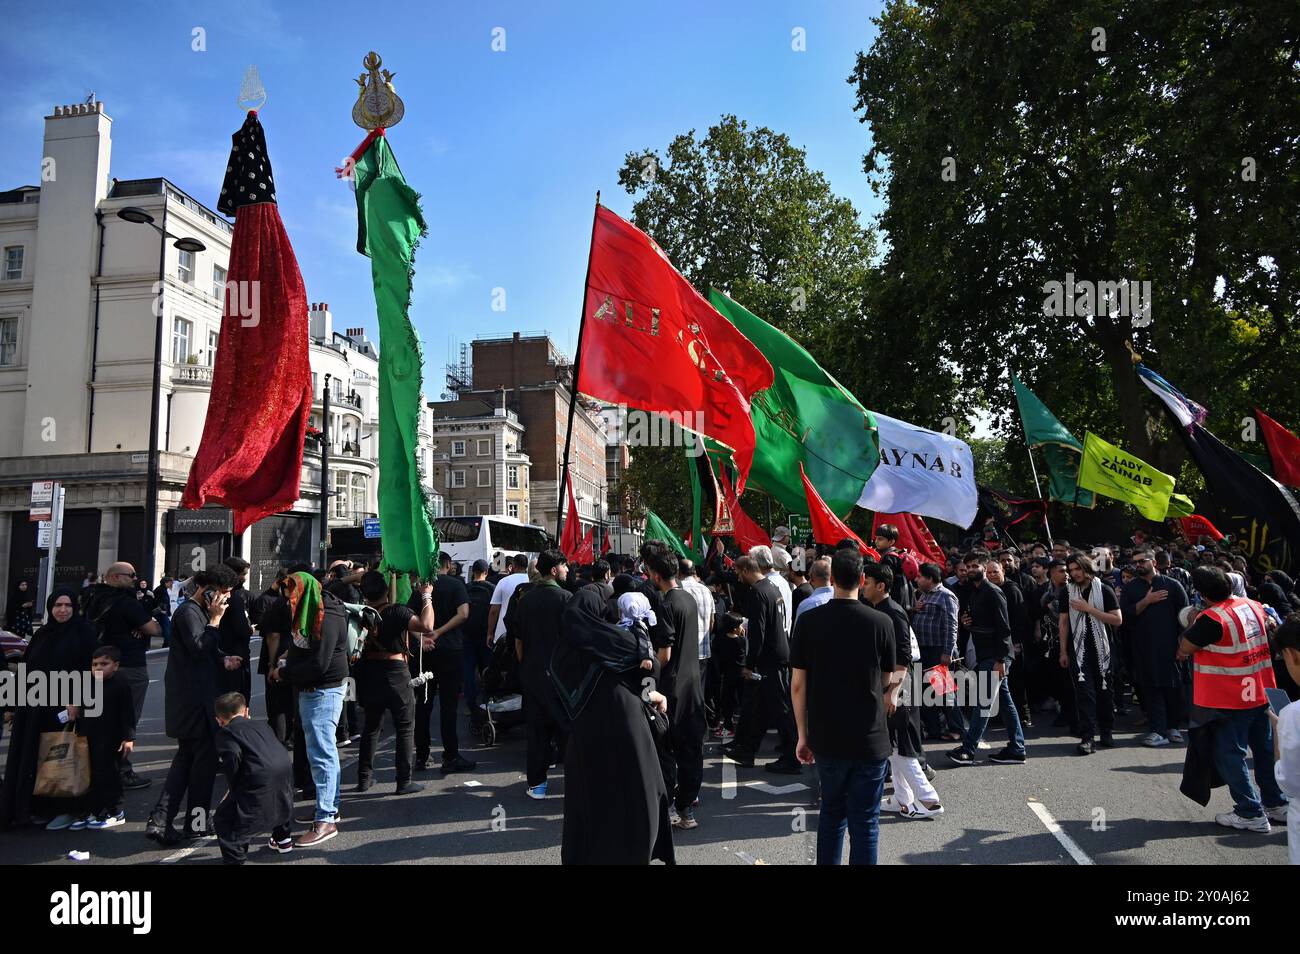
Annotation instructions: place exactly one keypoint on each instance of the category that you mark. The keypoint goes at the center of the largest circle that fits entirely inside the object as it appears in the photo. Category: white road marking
(779, 789)
(183, 853)
(728, 778)
(1068, 843)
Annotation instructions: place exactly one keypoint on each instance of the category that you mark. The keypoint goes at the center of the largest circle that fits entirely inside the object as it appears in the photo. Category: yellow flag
(1112, 472)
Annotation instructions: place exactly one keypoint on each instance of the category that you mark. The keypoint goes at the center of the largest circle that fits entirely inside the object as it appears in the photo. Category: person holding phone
(190, 682)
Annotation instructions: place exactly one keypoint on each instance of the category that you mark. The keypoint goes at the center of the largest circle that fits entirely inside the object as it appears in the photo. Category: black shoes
(409, 788)
(1008, 756)
(1107, 741)
(960, 756)
(458, 764)
(132, 782)
(783, 767)
(364, 785)
(1084, 747)
(421, 765)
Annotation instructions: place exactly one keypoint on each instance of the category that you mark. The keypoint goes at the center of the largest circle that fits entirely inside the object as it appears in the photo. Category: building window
(8, 342)
(512, 476)
(358, 495)
(485, 478)
(182, 333)
(185, 266)
(340, 494)
(485, 447)
(218, 283)
(458, 478)
(214, 338)
(457, 448)
(484, 508)
(13, 263)
(512, 510)
(458, 510)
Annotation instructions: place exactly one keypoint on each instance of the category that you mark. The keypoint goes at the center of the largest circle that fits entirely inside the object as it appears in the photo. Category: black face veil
(589, 645)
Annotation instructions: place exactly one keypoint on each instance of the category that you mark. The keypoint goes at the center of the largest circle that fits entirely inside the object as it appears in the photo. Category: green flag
(656, 529)
(1115, 473)
(1061, 449)
(1180, 505)
(390, 225)
(805, 417)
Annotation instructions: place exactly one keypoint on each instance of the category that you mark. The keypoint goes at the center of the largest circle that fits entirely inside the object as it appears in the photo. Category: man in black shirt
(1151, 603)
(451, 608)
(538, 616)
(766, 700)
(1088, 608)
(985, 618)
(123, 622)
(682, 753)
(600, 580)
(996, 573)
(473, 642)
(800, 588)
(843, 657)
(383, 679)
(236, 636)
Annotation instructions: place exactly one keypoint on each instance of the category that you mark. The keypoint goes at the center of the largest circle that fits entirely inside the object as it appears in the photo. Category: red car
(12, 645)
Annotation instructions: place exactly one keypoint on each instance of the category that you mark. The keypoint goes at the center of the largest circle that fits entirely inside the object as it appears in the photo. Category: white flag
(922, 472)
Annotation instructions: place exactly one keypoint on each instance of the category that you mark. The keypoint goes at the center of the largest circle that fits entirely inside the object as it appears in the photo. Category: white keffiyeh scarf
(1084, 624)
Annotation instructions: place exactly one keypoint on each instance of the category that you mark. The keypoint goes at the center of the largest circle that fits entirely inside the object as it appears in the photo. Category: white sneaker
(1155, 740)
(673, 818)
(1175, 736)
(1233, 820)
(60, 822)
(111, 821)
(81, 823)
(984, 745)
(1277, 813)
(916, 810)
(891, 804)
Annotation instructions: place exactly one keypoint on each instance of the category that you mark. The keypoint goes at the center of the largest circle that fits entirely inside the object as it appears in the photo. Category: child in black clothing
(260, 776)
(110, 734)
(730, 653)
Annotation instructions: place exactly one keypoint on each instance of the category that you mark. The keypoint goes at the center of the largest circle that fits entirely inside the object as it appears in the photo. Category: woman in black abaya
(64, 644)
(615, 801)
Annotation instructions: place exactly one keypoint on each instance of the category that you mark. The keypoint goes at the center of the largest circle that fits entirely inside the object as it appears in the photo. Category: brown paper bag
(63, 765)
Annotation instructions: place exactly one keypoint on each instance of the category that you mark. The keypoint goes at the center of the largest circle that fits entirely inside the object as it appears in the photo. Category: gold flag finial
(377, 102)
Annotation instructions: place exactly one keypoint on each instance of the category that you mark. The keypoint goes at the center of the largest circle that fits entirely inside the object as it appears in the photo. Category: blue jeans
(1236, 732)
(319, 711)
(1006, 706)
(851, 791)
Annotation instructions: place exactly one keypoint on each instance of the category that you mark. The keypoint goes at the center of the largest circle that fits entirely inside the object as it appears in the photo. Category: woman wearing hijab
(22, 598)
(615, 801)
(64, 644)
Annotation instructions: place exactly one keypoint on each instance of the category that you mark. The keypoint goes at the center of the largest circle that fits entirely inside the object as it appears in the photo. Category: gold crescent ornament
(378, 104)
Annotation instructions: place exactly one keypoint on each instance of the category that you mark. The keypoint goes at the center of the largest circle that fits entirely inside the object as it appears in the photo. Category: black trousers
(383, 686)
(280, 714)
(546, 740)
(239, 680)
(449, 679)
(105, 796)
(681, 756)
(1164, 707)
(728, 694)
(235, 829)
(1094, 704)
(765, 705)
(191, 776)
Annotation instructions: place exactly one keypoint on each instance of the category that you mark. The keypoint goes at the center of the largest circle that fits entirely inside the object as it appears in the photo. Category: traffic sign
(371, 528)
(42, 500)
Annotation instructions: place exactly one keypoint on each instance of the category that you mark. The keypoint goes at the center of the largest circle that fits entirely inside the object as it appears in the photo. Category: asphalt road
(1118, 807)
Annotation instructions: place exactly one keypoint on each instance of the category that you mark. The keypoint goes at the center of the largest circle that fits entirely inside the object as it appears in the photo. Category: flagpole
(573, 391)
(1038, 487)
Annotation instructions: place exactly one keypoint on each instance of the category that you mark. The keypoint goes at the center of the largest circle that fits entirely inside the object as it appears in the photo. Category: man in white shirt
(501, 595)
(781, 549)
(820, 577)
(688, 580)
(763, 557)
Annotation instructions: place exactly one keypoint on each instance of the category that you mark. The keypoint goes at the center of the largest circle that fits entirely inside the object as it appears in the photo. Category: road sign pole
(51, 553)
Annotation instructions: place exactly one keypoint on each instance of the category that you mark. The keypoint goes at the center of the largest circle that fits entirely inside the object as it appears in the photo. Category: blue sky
(507, 148)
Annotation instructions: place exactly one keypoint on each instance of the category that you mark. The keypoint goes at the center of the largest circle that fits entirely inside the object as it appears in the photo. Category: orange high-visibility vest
(1234, 672)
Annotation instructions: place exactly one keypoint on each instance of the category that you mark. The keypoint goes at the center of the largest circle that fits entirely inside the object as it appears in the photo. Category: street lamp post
(325, 474)
(139, 216)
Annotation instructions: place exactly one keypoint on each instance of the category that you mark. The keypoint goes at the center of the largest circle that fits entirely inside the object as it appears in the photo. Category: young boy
(111, 736)
(730, 653)
(260, 776)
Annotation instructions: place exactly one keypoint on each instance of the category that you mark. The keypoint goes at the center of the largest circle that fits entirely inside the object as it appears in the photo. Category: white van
(492, 537)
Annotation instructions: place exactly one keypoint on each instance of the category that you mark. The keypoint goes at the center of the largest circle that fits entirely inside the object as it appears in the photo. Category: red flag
(586, 549)
(570, 538)
(652, 342)
(913, 536)
(1283, 448)
(250, 456)
(604, 544)
(746, 531)
(828, 528)
(1196, 526)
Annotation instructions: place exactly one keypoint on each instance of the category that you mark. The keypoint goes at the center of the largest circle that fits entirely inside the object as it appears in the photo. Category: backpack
(363, 622)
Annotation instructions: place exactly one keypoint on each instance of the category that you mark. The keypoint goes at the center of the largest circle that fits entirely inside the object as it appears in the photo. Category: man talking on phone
(193, 661)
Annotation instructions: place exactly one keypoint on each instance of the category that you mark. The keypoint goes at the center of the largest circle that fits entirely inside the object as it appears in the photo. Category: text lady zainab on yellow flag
(1113, 472)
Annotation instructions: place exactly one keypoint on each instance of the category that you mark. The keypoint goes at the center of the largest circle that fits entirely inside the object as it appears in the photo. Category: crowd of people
(625, 667)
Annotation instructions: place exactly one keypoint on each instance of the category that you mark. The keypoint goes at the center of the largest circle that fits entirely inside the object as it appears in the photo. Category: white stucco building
(78, 287)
